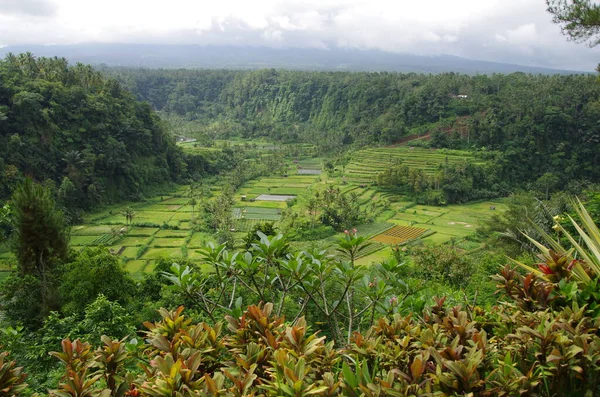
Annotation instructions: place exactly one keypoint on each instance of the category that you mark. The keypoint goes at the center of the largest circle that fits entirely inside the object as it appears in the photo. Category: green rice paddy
(162, 225)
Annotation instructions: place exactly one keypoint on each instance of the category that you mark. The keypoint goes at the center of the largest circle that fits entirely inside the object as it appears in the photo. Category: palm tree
(193, 202)
(129, 214)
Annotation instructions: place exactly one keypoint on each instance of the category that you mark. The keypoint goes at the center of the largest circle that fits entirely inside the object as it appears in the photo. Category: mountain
(231, 57)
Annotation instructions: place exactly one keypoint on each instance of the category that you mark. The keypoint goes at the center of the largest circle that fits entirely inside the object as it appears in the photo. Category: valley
(164, 227)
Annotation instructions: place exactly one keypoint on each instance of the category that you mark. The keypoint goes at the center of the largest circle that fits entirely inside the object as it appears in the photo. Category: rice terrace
(162, 225)
(261, 219)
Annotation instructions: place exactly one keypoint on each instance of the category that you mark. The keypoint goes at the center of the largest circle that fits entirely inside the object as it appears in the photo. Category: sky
(510, 31)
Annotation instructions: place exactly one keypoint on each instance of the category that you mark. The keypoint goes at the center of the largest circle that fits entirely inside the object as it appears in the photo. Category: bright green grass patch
(159, 208)
(376, 257)
(142, 231)
(168, 242)
(85, 230)
(188, 208)
(176, 201)
(194, 254)
(287, 190)
(153, 217)
(438, 238)
(182, 216)
(156, 253)
(304, 179)
(263, 184)
(130, 252)
(135, 266)
(429, 211)
(134, 241)
(454, 231)
(150, 266)
(185, 225)
(172, 233)
(409, 216)
(199, 240)
(83, 240)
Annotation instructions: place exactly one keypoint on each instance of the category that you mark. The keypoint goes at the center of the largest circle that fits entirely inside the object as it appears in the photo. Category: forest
(540, 124)
(188, 233)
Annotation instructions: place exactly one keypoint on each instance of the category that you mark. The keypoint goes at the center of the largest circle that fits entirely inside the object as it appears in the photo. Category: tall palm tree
(129, 214)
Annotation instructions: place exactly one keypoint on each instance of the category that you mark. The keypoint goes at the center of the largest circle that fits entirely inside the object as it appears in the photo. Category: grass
(172, 233)
(83, 240)
(130, 252)
(157, 253)
(134, 241)
(173, 209)
(199, 240)
(378, 256)
(90, 230)
(168, 242)
(135, 266)
(142, 231)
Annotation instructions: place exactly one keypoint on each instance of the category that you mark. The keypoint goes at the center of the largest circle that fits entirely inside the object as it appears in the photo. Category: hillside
(539, 124)
(81, 132)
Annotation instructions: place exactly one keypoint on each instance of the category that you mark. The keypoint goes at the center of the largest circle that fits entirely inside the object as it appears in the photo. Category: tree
(579, 19)
(5, 222)
(41, 237)
(252, 237)
(129, 214)
(193, 202)
(94, 272)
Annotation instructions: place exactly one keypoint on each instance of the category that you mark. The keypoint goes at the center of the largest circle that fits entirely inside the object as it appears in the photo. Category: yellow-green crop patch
(199, 240)
(175, 201)
(135, 266)
(83, 240)
(134, 241)
(160, 208)
(130, 252)
(157, 253)
(92, 230)
(169, 242)
(181, 216)
(142, 231)
(172, 233)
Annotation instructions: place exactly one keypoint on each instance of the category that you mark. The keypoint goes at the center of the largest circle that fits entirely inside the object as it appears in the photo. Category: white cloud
(517, 31)
(524, 34)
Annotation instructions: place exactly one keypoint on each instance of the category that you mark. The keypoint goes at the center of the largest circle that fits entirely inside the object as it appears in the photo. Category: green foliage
(579, 20)
(252, 237)
(530, 125)
(443, 264)
(41, 236)
(94, 272)
(84, 132)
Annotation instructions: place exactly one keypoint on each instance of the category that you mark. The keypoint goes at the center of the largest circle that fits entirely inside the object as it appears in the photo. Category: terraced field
(367, 163)
(399, 234)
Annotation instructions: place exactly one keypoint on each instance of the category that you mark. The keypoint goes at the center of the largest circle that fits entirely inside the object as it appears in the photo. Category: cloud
(35, 8)
(517, 31)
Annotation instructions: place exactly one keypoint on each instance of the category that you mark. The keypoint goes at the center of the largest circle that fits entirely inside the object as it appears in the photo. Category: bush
(443, 264)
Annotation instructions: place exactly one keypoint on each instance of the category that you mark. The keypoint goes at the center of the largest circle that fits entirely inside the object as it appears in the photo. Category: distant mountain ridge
(231, 57)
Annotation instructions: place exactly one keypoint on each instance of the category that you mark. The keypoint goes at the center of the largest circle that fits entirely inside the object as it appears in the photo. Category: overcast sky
(512, 31)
